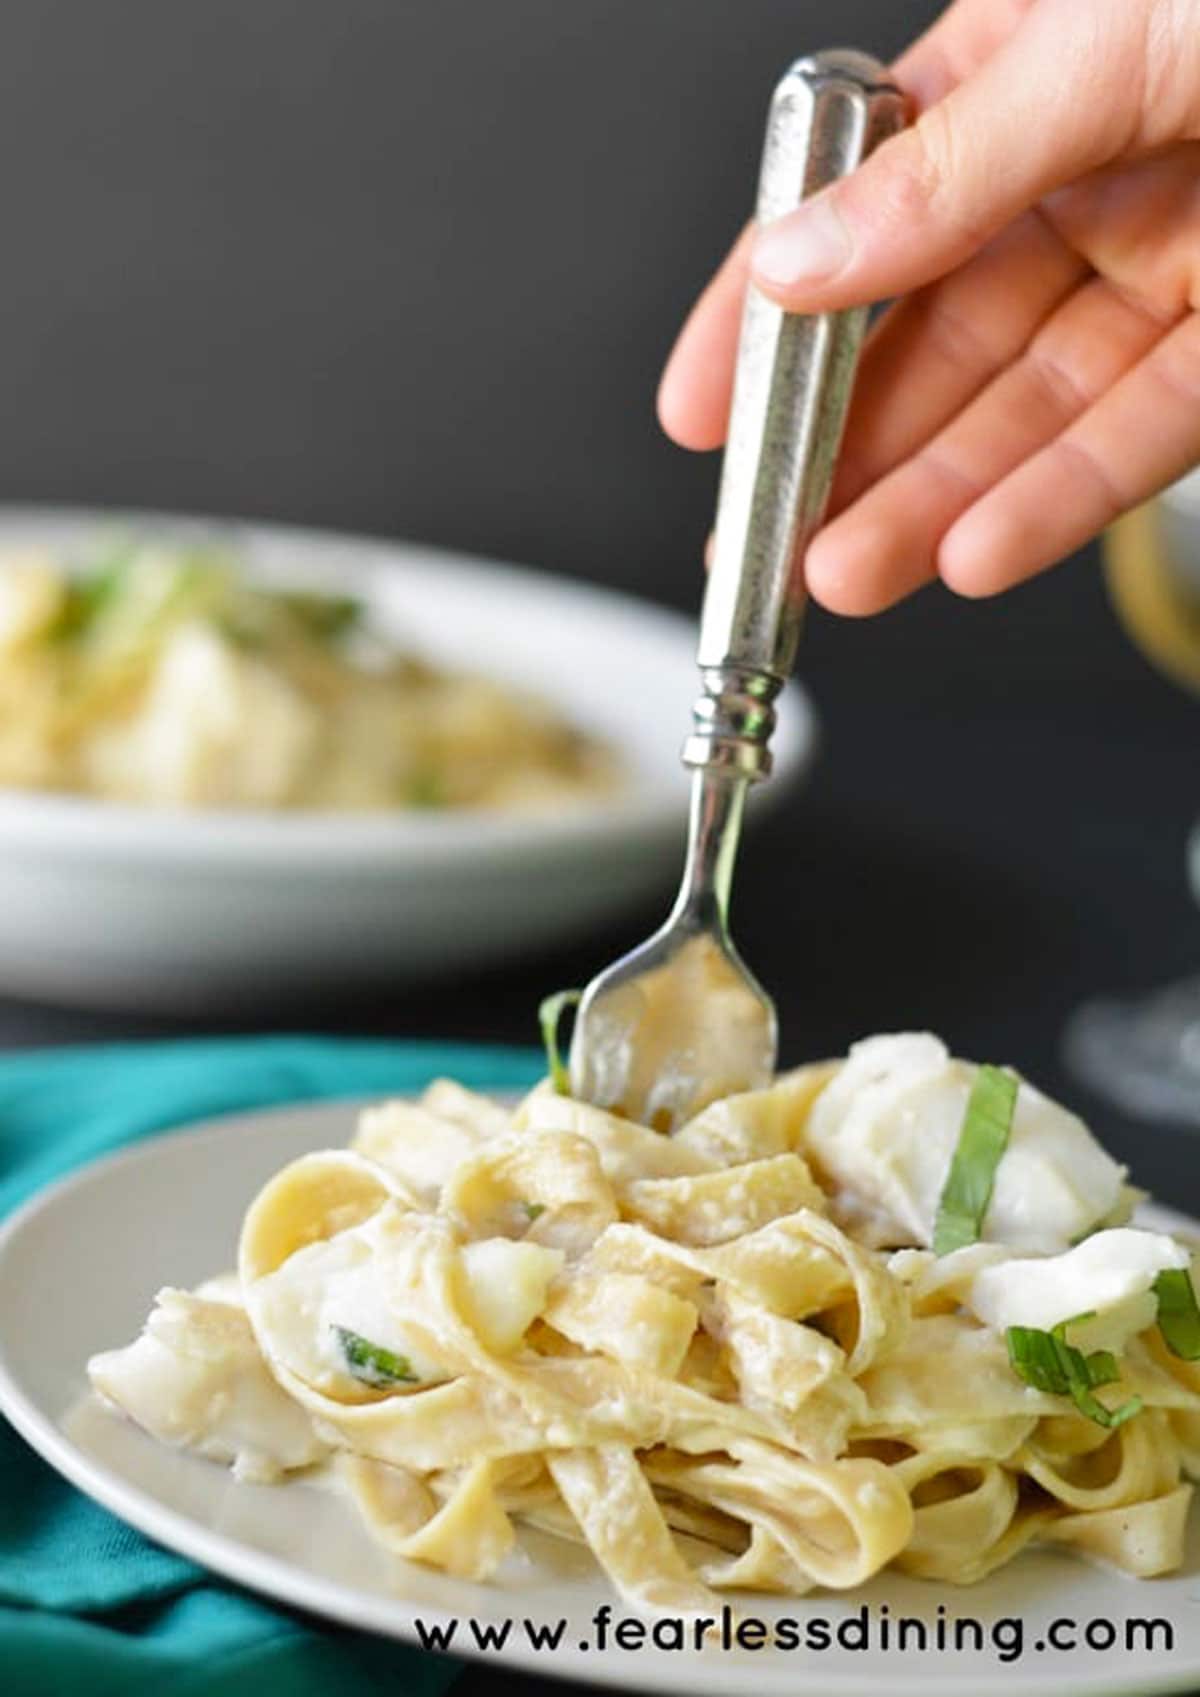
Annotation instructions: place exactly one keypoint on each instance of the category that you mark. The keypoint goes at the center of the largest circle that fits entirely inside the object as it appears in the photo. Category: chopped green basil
(325, 617)
(425, 789)
(1178, 1315)
(88, 596)
(1049, 1363)
(550, 1011)
(371, 1364)
(533, 1210)
(981, 1144)
(241, 632)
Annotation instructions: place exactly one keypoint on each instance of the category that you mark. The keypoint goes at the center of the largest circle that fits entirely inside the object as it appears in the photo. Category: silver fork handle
(792, 389)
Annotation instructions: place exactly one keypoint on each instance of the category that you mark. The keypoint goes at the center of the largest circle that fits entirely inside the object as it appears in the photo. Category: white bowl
(194, 912)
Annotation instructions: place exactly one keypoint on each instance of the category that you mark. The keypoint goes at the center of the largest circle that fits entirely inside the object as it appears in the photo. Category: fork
(681, 1021)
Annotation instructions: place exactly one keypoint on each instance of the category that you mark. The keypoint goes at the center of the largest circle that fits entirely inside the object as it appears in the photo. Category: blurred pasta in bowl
(160, 674)
(242, 762)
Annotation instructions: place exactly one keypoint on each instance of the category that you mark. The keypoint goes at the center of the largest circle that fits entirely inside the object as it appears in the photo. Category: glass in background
(1143, 1054)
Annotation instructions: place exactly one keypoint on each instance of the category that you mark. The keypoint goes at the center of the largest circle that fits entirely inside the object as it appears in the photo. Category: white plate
(78, 1268)
(191, 912)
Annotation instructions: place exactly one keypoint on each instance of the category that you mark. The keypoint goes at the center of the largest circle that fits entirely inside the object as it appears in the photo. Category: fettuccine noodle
(726, 1359)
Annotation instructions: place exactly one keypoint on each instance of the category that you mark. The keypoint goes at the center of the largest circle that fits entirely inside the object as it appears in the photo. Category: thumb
(1032, 118)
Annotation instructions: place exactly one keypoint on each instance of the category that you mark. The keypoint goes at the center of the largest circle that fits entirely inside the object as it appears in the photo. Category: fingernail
(808, 246)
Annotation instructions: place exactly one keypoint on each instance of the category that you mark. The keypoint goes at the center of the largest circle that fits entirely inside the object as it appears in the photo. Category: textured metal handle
(791, 393)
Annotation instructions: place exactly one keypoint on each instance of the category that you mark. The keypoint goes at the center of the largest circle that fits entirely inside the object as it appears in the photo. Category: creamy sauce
(886, 1128)
(195, 1378)
(1108, 1277)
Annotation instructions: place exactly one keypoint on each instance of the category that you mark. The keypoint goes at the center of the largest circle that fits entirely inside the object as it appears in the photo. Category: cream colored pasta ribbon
(666, 1348)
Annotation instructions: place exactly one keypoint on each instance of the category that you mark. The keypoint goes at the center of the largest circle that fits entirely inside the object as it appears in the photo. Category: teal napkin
(86, 1603)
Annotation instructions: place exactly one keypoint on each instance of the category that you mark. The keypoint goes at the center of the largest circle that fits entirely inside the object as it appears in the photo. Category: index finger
(697, 383)
(954, 47)
(696, 389)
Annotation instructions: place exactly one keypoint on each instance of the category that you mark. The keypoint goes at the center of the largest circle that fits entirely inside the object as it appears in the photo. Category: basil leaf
(1035, 1359)
(1178, 1314)
(89, 595)
(371, 1364)
(323, 617)
(1084, 1374)
(425, 789)
(981, 1145)
(1049, 1363)
(533, 1210)
(1102, 1367)
(550, 1011)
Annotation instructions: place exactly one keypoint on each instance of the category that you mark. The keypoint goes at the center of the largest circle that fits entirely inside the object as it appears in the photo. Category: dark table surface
(413, 270)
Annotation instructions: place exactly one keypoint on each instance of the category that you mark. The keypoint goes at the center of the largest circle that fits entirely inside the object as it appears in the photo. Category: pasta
(729, 1359)
(164, 676)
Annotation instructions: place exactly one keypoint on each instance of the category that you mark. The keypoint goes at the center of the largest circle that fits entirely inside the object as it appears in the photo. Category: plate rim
(392, 1616)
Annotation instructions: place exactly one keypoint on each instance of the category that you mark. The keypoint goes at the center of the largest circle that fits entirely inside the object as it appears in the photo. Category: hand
(1041, 375)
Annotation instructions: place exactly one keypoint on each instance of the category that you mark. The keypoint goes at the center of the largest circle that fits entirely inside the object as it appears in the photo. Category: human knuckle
(1068, 388)
(928, 173)
(1082, 460)
(960, 340)
(1176, 364)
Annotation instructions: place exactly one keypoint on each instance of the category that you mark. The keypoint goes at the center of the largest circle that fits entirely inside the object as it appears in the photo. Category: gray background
(414, 269)
(406, 267)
